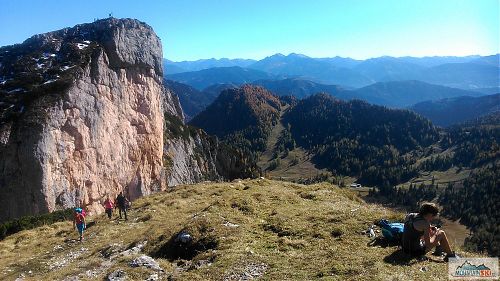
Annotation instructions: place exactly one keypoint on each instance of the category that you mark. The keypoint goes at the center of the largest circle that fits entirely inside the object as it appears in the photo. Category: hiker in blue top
(79, 221)
(419, 236)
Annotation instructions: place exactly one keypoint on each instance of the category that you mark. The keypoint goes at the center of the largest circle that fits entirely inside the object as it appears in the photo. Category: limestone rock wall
(99, 132)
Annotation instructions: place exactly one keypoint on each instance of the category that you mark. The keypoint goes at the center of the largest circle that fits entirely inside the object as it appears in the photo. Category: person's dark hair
(428, 208)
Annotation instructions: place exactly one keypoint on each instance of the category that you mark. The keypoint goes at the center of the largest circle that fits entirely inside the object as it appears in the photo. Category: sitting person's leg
(442, 240)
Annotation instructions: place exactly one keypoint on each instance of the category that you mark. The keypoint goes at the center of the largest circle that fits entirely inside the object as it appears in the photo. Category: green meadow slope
(243, 230)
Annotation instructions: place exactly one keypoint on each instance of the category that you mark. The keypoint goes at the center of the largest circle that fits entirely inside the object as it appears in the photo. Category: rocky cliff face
(81, 117)
(190, 155)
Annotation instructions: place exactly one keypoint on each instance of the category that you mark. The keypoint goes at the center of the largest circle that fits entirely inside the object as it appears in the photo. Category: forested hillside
(358, 139)
(242, 117)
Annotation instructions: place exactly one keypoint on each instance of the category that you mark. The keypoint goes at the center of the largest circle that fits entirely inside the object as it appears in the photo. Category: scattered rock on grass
(153, 277)
(147, 262)
(183, 237)
(67, 259)
(71, 278)
(136, 249)
(117, 275)
(230, 224)
(251, 271)
(198, 237)
(112, 250)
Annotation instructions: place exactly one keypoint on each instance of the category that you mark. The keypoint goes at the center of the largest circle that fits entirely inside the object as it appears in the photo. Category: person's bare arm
(427, 238)
(429, 233)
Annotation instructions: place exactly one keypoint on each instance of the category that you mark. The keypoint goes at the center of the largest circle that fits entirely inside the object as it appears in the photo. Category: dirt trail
(267, 155)
(455, 231)
(294, 166)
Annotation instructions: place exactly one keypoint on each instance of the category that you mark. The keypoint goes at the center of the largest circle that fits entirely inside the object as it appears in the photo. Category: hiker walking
(419, 236)
(79, 221)
(108, 205)
(121, 203)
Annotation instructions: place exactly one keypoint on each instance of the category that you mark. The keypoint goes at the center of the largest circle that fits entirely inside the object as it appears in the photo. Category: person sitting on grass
(419, 236)
(79, 222)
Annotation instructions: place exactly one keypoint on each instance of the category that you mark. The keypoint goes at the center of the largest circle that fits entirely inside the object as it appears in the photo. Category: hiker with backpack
(108, 205)
(79, 221)
(121, 203)
(419, 236)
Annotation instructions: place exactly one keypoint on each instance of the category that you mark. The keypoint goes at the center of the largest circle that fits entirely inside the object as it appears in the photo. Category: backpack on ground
(392, 232)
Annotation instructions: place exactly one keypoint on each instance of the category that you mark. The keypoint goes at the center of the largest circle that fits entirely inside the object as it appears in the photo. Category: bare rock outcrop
(81, 117)
(190, 155)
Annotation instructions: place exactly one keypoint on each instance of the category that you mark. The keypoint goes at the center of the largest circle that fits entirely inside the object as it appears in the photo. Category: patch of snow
(40, 65)
(86, 42)
(48, 55)
(81, 46)
(16, 91)
(50, 81)
(64, 68)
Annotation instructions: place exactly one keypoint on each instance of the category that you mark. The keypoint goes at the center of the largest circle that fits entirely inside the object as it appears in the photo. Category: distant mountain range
(321, 71)
(388, 81)
(397, 94)
(452, 111)
(401, 94)
(298, 87)
(388, 69)
(219, 75)
(186, 66)
(192, 100)
(471, 72)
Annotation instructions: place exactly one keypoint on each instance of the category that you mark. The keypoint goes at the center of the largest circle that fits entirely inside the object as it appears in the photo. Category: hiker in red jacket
(108, 205)
(79, 221)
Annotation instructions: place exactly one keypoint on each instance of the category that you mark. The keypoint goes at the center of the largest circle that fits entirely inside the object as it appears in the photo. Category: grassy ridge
(274, 230)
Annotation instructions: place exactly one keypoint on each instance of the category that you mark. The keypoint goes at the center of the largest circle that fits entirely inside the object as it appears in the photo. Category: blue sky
(195, 29)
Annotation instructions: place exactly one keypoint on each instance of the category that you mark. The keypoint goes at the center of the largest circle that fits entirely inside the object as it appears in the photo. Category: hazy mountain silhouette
(219, 75)
(452, 111)
(322, 71)
(192, 100)
(401, 94)
(298, 87)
